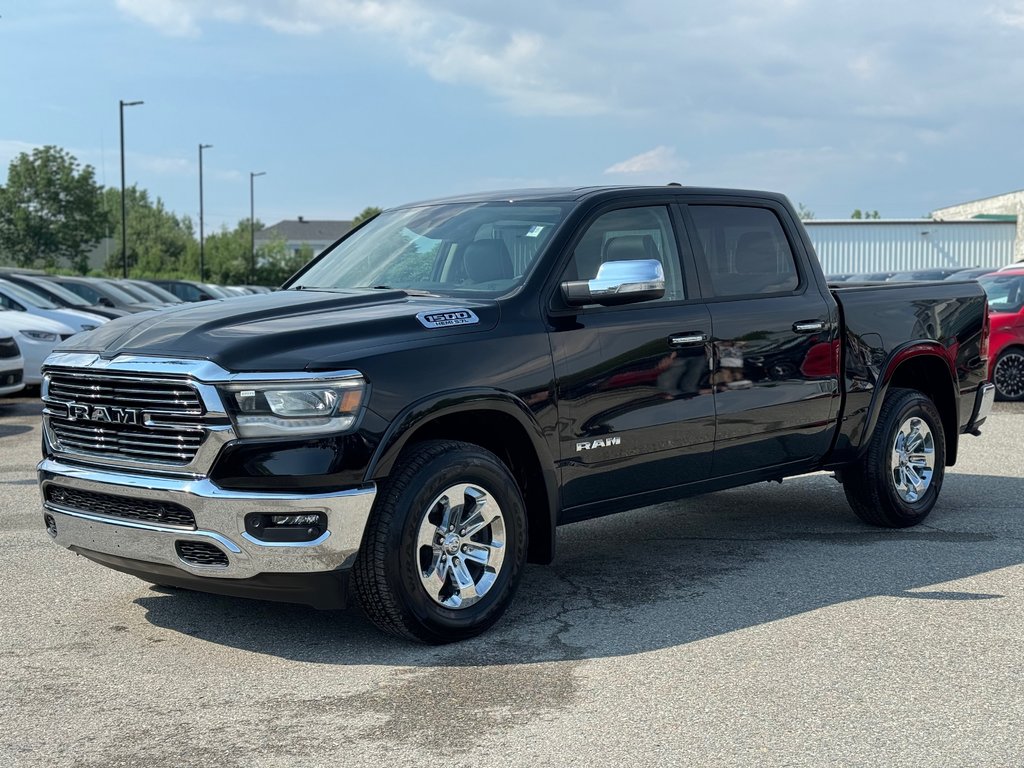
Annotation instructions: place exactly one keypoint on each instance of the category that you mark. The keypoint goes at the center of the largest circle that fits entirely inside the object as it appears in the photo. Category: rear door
(635, 403)
(775, 366)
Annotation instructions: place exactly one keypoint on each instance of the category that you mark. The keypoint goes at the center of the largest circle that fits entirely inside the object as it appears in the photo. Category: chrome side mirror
(618, 282)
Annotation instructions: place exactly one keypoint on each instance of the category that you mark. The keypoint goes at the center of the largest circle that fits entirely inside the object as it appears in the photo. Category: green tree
(275, 263)
(859, 214)
(805, 213)
(50, 210)
(160, 243)
(367, 213)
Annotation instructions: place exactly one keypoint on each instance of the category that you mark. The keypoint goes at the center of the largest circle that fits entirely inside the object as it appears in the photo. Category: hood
(72, 317)
(290, 330)
(13, 322)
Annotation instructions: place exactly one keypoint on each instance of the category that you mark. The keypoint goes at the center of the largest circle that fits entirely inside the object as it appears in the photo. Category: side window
(746, 250)
(627, 234)
(6, 302)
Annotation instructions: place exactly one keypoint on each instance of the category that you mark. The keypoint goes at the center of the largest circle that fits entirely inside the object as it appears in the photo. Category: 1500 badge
(442, 318)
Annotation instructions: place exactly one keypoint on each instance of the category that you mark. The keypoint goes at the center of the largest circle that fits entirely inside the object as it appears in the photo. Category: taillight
(986, 332)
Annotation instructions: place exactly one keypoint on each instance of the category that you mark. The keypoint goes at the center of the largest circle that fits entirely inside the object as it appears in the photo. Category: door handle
(808, 326)
(688, 339)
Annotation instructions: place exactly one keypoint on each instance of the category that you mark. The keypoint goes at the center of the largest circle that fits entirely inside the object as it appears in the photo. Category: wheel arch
(499, 422)
(928, 368)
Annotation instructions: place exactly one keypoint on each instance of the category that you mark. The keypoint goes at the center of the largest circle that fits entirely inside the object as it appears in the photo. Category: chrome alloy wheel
(913, 459)
(461, 545)
(1008, 375)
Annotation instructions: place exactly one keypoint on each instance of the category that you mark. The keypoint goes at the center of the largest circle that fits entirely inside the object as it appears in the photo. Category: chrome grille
(157, 421)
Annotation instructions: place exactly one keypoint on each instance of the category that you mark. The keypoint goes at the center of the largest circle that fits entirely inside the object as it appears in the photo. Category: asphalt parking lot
(761, 626)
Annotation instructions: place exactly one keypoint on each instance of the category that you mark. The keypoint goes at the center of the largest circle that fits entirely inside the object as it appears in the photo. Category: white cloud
(661, 159)
(171, 17)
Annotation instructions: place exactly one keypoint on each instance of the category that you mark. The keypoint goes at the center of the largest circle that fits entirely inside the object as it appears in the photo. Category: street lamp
(202, 243)
(124, 210)
(252, 224)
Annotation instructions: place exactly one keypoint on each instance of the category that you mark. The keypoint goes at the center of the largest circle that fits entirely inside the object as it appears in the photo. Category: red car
(1006, 348)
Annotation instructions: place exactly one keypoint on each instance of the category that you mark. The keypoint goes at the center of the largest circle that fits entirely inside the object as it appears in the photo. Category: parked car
(104, 292)
(1005, 292)
(36, 337)
(921, 275)
(154, 292)
(1014, 266)
(189, 290)
(870, 277)
(12, 364)
(971, 274)
(58, 294)
(20, 299)
(839, 278)
(141, 296)
(423, 403)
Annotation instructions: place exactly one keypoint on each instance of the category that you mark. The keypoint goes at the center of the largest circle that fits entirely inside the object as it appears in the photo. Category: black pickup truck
(421, 406)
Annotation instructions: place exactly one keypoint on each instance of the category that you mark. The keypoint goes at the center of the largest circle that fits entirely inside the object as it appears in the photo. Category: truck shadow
(664, 576)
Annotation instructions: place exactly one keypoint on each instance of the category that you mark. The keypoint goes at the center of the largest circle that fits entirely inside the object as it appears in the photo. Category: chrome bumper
(220, 520)
(982, 406)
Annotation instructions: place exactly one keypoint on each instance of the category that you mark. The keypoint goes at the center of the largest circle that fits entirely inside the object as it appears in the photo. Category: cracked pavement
(759, 626)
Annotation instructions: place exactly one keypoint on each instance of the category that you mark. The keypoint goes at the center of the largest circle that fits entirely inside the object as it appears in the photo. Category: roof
(576, 194)
(305, 230)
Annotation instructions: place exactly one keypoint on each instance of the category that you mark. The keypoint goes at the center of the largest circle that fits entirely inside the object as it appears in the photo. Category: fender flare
(898, 356)
(420, 413)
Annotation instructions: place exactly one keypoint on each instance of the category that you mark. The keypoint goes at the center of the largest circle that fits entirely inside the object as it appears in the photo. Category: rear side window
(746, 250)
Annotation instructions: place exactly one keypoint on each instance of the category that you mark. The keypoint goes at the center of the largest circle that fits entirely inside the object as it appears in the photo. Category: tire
(876, 486)
(415, 581)
(1008, 374)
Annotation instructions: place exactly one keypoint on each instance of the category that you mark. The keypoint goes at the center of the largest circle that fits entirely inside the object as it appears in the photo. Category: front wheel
(445, 546)
(896, 482)
(1008, 374)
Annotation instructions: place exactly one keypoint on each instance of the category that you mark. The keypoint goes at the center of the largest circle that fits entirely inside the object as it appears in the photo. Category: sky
(896, 107)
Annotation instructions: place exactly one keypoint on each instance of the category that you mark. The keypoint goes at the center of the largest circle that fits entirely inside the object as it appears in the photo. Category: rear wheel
(896, 482)
(445, 546)
(1008, 374)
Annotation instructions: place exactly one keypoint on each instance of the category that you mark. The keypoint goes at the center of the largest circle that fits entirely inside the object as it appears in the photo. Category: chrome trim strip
(314, 543)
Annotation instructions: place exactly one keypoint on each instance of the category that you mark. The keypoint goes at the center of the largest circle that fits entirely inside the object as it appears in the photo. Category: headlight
(40, 335)
(282, 409)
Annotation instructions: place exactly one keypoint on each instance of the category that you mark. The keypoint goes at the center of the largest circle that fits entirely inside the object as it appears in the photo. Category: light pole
(202, 242)
(124, 209)
(252, 224)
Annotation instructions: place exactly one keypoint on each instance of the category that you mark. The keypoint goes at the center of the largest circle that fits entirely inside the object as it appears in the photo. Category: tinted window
(746, 249)
(85, 291)
(627, 234)
(1005, 292)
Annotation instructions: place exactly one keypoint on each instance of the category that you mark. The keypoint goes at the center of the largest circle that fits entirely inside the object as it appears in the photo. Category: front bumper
(141, 546)
(983, 402)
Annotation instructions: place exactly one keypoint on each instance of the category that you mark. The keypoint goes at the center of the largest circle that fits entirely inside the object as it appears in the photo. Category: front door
(635, 403)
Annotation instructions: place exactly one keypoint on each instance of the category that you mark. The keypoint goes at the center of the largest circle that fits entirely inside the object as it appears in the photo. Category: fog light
(51, 525)
(286, 528)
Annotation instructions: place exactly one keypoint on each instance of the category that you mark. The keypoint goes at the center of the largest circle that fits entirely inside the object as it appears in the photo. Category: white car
(21, 299)
(12, 365)
(36, 337)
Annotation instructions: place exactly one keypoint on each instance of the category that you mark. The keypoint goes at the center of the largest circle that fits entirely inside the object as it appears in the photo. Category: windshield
(1005, 293)
(53, 289)
(478, 249)
(115, 291)
(27, 296)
